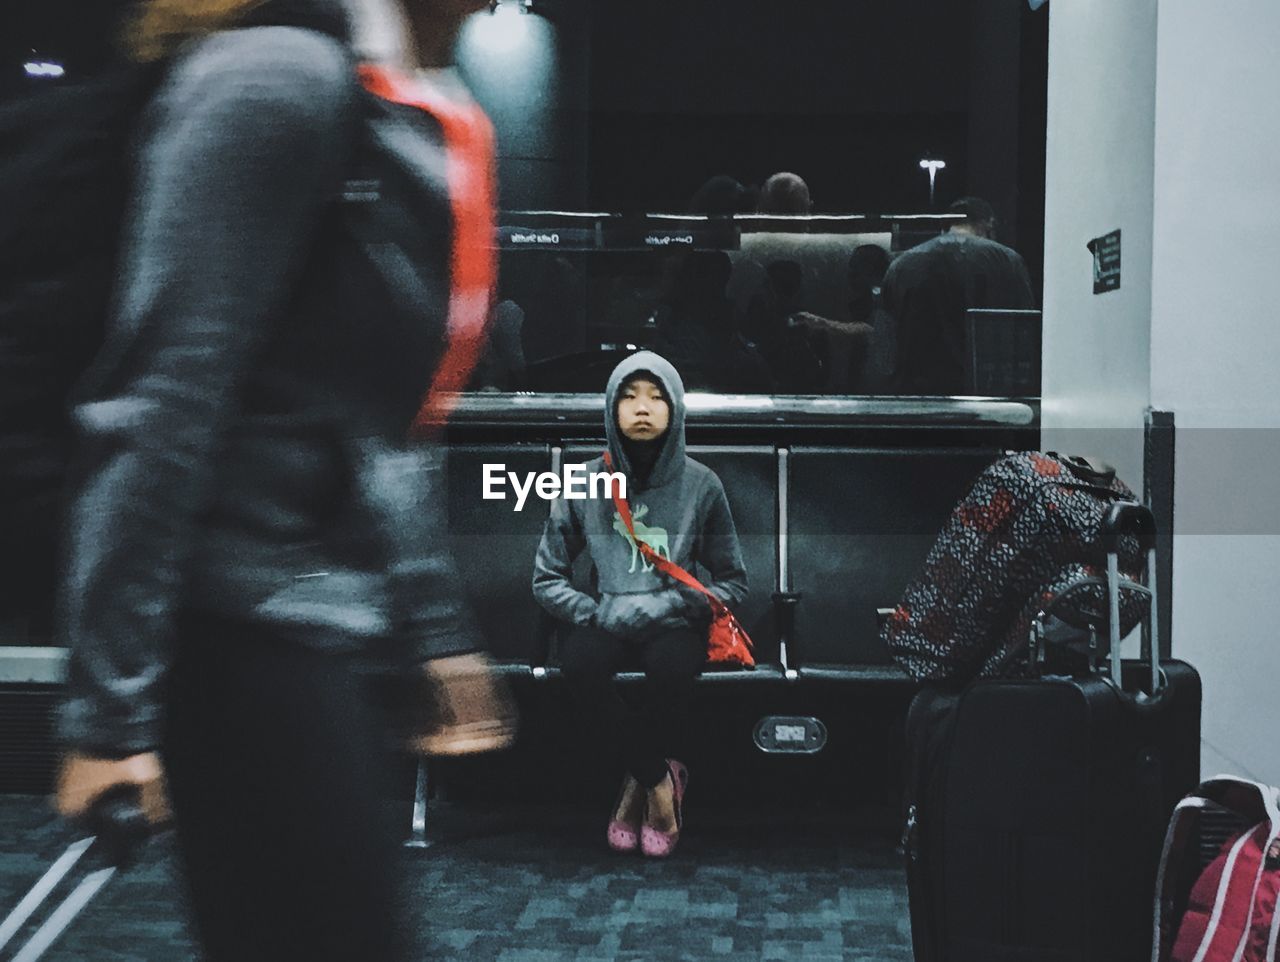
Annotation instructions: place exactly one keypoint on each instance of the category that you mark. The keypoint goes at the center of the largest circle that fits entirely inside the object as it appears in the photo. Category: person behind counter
(928, 289)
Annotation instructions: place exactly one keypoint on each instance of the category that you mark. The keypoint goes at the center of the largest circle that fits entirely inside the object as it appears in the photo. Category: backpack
(1025, 537)
(1219, 877)
(65, 180)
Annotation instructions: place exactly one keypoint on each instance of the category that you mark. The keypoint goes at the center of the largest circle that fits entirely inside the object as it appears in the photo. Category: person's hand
(688, 609)
(473, 708)
(83, 779)
(858, 330)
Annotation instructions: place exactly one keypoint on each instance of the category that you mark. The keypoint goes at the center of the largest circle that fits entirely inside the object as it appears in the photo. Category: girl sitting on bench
(680, 511)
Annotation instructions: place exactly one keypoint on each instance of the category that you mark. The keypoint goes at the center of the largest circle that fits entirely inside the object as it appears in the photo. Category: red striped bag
(1229, 914)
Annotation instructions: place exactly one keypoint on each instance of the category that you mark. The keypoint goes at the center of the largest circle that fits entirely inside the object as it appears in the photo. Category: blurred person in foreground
(252, 540)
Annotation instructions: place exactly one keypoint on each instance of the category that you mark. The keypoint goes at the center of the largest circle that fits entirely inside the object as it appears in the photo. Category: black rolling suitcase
(81, 872)
(1036, 807)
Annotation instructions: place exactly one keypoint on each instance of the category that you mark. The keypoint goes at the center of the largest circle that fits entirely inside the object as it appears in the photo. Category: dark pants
(643, 737)
(279, 773)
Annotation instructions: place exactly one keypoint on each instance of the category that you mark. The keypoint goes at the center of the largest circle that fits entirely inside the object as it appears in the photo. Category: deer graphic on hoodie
(655, 538)
(680, 510)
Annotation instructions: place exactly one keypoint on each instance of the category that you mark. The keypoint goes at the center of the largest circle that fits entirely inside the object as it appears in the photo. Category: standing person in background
(698, 329)
(251, 538)
(641, 613)
(928, 289)
(867, 266)
(770, 327)
(722, 196)
(503, 366)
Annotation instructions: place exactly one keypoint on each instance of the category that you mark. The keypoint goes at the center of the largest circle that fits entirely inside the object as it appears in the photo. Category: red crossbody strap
(665, 565)
(469, 171)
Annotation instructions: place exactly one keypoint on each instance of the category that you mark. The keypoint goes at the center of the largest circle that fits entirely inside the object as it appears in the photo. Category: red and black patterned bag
(1028, 529)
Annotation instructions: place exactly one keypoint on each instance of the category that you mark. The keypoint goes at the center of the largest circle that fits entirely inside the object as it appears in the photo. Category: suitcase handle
(120, 827)
(1129, 517)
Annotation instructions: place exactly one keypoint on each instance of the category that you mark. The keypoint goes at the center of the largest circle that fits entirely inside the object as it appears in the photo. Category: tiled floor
(542, 888)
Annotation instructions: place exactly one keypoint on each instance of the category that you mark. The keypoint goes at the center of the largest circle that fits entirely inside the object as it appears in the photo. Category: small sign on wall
(547, 238)
(1106, 262)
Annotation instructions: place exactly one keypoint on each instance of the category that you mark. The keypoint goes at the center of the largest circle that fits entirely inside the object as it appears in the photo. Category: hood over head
(670, 462)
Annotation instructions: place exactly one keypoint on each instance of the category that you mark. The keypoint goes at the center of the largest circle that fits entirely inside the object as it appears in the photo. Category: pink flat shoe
(622, 836)
(657, 844)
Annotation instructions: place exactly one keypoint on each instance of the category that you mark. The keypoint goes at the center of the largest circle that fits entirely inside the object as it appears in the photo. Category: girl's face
(643, 411)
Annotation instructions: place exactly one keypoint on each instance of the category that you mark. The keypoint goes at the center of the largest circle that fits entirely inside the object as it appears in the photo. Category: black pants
(644, 737)
(278, 770)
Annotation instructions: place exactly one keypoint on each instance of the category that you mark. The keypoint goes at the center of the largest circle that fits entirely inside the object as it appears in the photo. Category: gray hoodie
(681, 512)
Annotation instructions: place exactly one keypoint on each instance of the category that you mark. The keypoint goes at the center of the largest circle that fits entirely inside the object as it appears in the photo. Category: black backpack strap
(1086, 468)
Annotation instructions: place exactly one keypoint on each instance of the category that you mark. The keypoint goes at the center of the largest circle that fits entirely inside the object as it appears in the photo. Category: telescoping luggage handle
(119, 828)
(1128, 517)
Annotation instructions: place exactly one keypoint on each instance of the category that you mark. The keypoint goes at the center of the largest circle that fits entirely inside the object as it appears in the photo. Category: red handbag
(728, 643)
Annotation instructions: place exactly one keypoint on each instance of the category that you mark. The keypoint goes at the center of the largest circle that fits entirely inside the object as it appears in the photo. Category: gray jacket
(241, 439)
(681, 513)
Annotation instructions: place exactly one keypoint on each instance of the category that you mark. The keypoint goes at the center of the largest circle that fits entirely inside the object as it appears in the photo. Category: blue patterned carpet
(542, 888)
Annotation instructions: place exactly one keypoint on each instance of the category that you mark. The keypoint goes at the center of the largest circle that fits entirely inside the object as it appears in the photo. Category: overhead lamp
(503, 33)
(932, 166)
(43, 68)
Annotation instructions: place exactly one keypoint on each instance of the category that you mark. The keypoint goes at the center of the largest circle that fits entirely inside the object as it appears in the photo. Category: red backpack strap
(665, 565)
(469, 170)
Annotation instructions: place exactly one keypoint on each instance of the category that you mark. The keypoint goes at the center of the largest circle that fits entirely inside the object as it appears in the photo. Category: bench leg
(418, 830)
